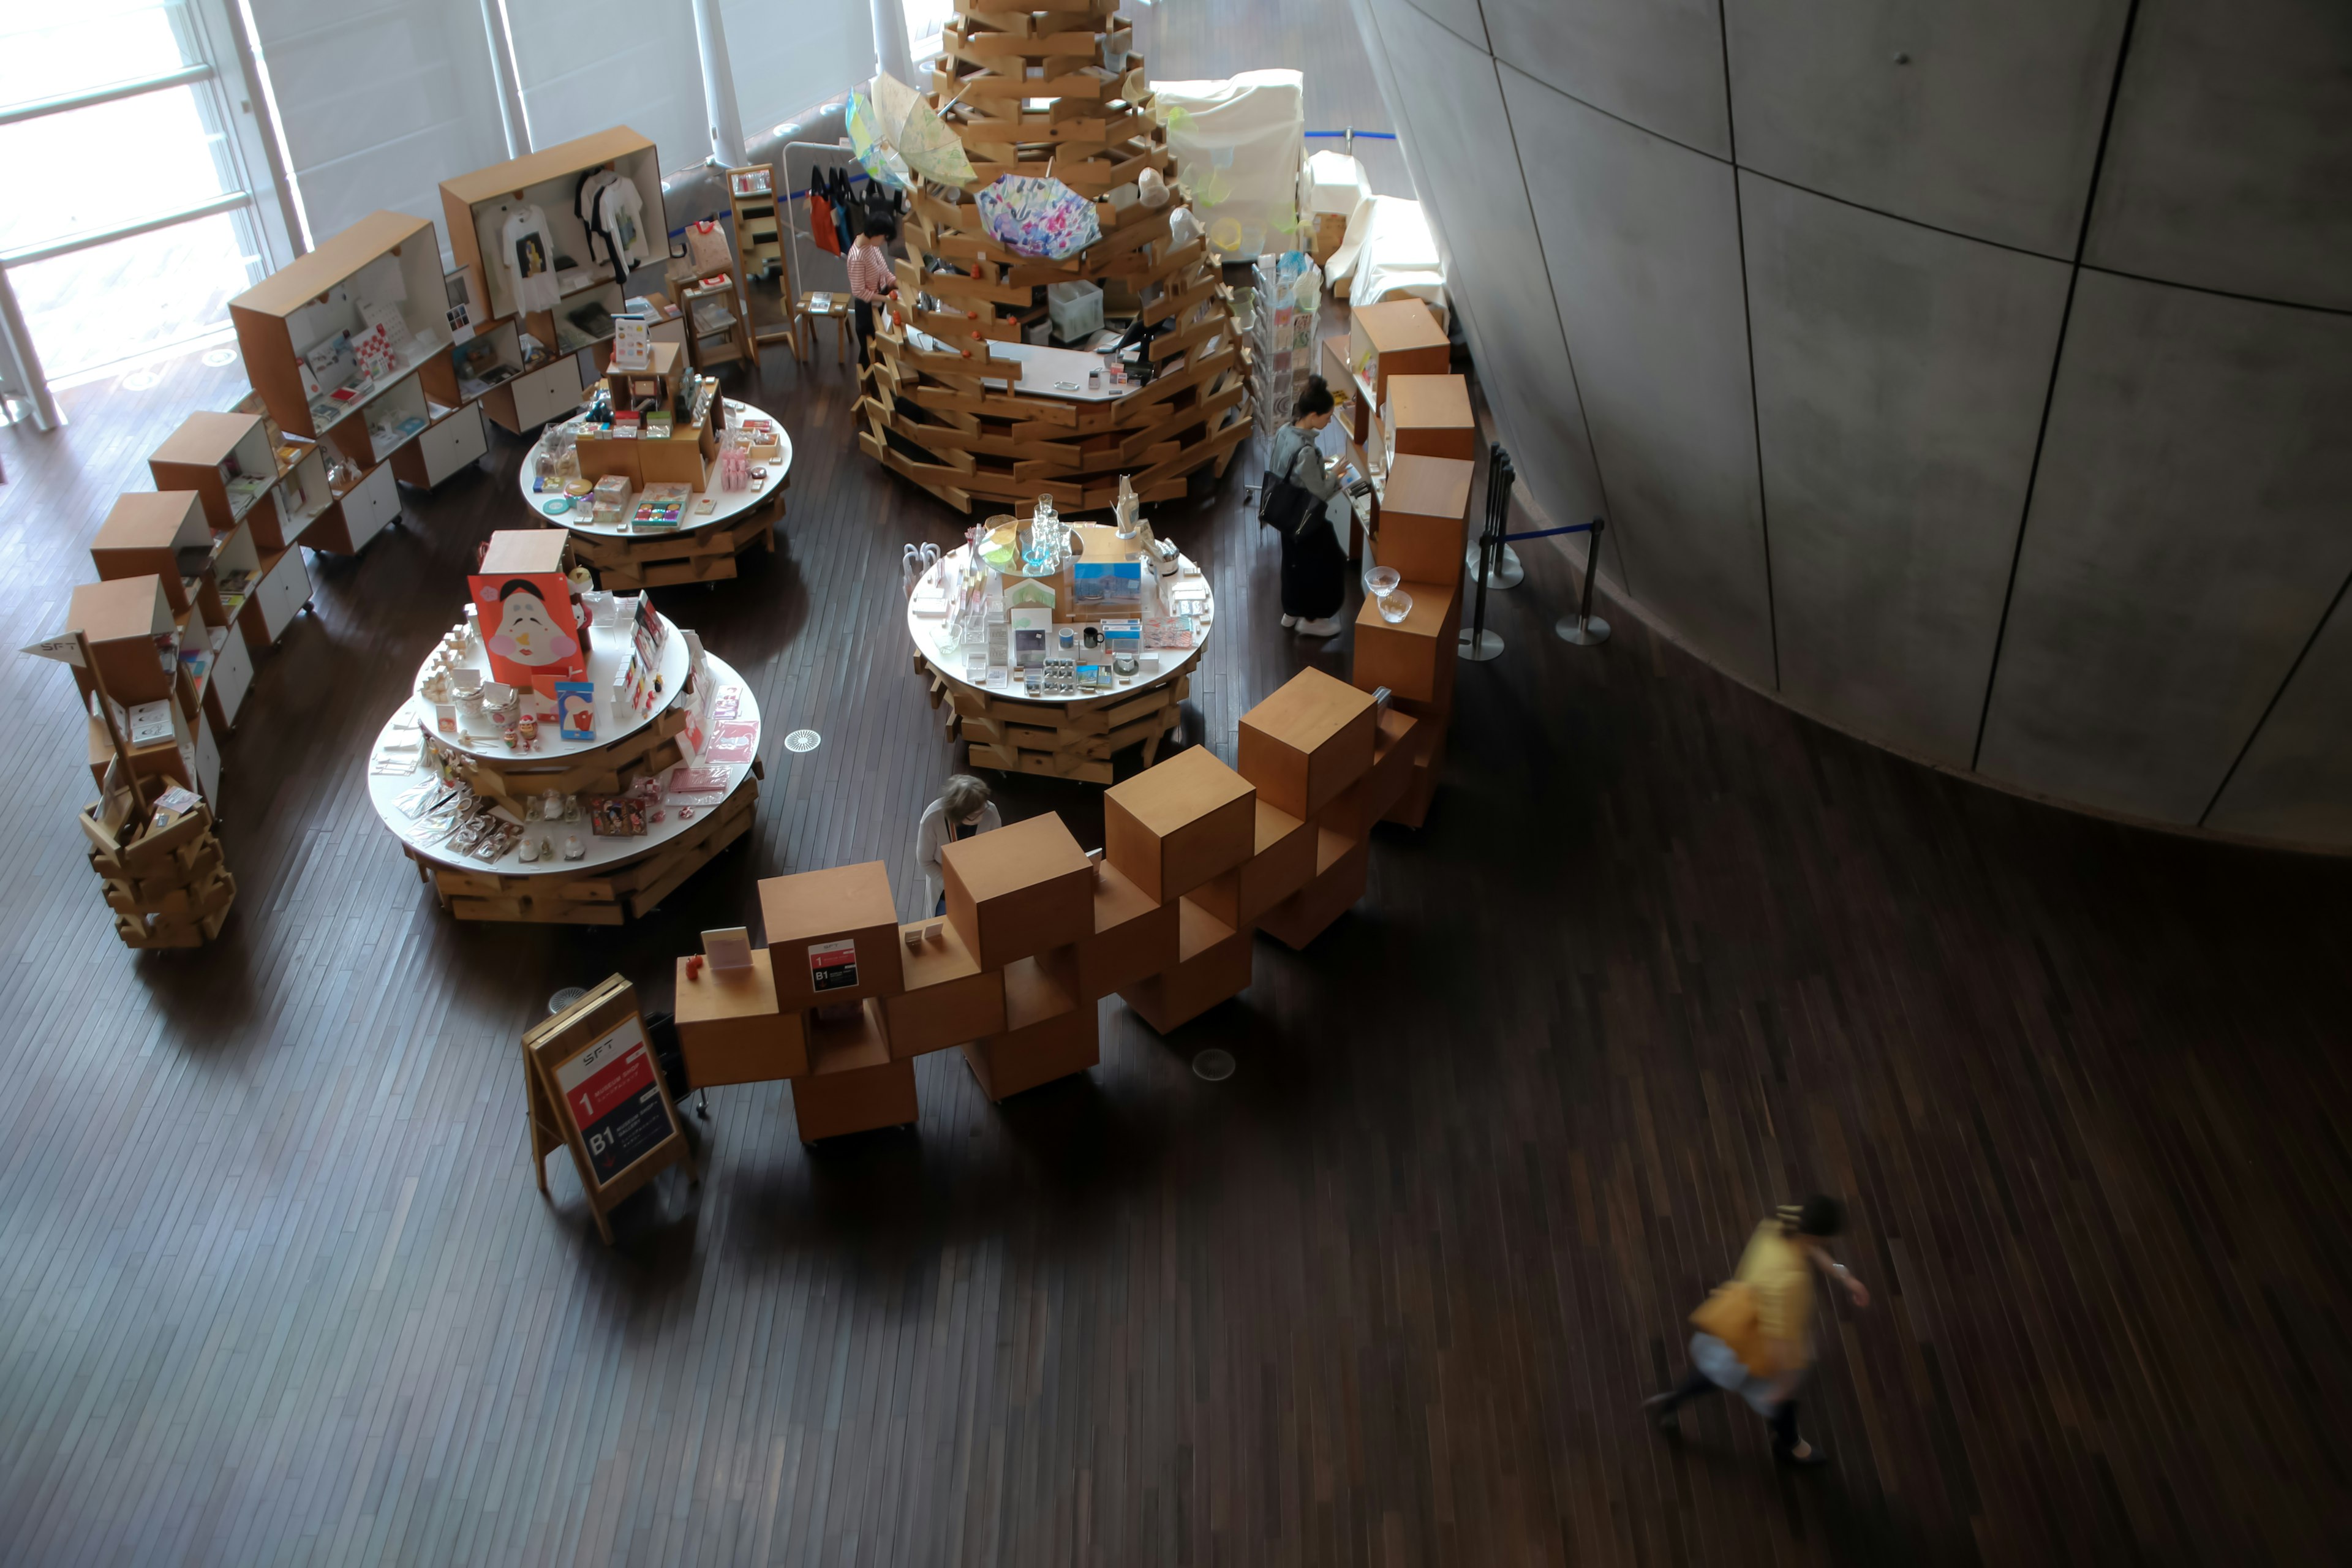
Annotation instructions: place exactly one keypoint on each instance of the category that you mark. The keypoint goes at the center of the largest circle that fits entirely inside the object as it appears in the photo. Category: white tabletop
(1049, 372)
(608, 652)
(386, 790)
(926, 631)
(730, 502)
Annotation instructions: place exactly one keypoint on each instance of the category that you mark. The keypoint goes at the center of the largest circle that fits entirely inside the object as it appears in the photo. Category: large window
(130, 219)
(925, 21)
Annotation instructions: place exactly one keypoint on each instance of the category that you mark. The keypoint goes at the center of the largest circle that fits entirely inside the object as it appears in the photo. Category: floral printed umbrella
(908, 124)
(874, 151)
(1038, 216)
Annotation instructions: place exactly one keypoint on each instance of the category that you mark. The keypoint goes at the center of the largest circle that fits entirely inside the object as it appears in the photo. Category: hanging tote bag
(707, 247)
(1281, 505)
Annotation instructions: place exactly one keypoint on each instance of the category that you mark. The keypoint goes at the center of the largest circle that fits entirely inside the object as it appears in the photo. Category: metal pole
(1475, 643)
(726, 121)
(1587, 629)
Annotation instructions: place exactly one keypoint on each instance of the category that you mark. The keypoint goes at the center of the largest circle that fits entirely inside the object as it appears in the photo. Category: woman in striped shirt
(870, 281)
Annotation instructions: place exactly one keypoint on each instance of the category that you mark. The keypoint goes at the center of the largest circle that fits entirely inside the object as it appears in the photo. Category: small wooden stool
(841, 310)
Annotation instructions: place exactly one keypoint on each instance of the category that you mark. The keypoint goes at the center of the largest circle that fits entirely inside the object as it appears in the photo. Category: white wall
(792, 58)
(587, 64)
(380, 105)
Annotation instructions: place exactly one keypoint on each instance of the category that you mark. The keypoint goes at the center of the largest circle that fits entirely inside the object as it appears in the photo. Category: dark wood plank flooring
(276, 1284)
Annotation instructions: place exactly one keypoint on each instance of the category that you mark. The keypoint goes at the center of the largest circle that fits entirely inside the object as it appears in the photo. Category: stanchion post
(1475, 643)
(1584, 628)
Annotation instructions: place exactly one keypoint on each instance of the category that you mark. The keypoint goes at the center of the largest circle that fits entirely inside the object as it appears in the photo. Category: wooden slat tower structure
(1031, 91)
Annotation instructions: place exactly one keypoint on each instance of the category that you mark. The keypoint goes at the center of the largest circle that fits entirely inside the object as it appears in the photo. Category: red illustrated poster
(833, 966)
(529, 630)
(610, 1090)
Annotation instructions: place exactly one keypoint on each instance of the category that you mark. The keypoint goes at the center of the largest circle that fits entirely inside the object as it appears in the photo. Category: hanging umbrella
(1038, 216)
(928, 143)
(865, 139)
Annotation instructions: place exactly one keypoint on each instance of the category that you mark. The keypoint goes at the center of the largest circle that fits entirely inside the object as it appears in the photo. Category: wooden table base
(626, 565)
(1073, 740)
(607, 896)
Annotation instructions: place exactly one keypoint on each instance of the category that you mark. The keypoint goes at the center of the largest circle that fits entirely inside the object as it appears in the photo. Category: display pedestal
(603, 896)
(1059, 737)
(628, 563)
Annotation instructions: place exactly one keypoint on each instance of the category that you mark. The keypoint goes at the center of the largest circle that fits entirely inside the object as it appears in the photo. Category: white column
(890, 51)
(718, 85)
(20, 364)
(511, 119)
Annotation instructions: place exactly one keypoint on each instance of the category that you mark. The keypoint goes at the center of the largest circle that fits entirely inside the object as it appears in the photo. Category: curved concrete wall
(1976, 374)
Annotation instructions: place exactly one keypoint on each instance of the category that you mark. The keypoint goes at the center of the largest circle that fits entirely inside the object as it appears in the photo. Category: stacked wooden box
(169, 886)
(1197, 857)
(1029, 94)
(1414, 425)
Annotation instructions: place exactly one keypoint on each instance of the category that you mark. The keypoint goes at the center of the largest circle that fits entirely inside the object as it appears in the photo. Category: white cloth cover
(1239, 152)
(1390, 253)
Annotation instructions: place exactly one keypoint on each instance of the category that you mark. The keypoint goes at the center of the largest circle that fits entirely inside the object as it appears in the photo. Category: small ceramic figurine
(529, 850)
(573, 850)
(551, 807)
(527, 725)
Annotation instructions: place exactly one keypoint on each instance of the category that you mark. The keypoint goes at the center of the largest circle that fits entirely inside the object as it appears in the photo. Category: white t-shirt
(529, 252)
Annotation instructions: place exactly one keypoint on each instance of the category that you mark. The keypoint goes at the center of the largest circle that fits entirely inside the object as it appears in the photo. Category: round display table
(1055, 733)
(702, 548)
(702, 808)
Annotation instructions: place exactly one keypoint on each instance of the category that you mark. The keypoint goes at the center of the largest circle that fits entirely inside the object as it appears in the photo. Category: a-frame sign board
(593, 1088)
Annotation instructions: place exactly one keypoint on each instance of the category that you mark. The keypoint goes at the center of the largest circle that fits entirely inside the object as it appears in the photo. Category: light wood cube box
(949, 997)
(1019, 890)
(121, 620)
(1412, 809)
(1396, 337)
(1284, 861)
(731, 1031)
(1369, 799)
(1424, 518)
(1179, 824)
(1413, 657)
(854, 1085)
(818, 909)
(143, 534)
(1307, 742)
(1050, 1031)
(1213, 965)
(1341, 864)
(1134, 936)
(1429, 416)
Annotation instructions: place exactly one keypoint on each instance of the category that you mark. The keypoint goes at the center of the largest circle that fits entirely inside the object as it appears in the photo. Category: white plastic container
(1077, 309)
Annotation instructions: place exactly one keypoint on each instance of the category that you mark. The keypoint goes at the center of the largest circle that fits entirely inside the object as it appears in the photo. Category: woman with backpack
(1754, 1335)
(1296, 505)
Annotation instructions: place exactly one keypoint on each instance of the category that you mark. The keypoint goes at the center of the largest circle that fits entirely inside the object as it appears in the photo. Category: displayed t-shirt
(530, 256)
(624, 225)
(587, 206)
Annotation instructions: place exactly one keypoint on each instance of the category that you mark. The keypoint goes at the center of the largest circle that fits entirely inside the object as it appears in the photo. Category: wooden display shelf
(928, 414)
(605, 895)
(645, 752)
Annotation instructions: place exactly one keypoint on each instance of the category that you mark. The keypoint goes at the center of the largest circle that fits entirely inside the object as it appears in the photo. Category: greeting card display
(575, 709)
(529, 630)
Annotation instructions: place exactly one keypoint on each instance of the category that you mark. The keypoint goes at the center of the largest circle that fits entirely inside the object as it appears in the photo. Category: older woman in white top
(963, 810)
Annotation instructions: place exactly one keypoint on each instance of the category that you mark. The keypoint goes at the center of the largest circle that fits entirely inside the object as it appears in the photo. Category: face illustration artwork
(527, 634)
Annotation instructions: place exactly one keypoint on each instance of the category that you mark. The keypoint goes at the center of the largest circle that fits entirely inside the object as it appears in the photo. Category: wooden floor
(276, 1284)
